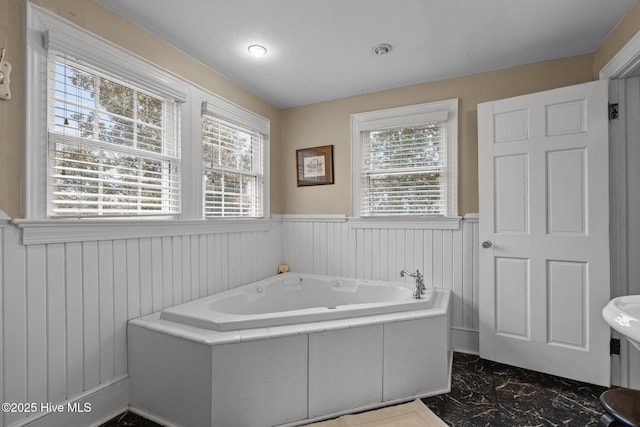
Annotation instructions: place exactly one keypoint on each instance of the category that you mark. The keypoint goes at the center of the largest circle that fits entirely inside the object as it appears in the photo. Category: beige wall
(94, 17)
(624, 31)
(11, 111)
(308, 126)
(329, 123)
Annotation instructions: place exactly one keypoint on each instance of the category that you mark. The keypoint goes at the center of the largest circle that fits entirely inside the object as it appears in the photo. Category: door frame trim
(621, 66)
(624, 62)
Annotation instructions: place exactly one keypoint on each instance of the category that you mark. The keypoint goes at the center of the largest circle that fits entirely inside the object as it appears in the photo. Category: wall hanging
(315, 165)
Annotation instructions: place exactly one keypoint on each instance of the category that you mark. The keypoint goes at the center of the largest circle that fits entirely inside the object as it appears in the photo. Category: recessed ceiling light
(257, 50)
(382, 49)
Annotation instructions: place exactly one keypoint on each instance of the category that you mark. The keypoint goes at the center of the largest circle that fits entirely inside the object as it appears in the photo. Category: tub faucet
(417, 293)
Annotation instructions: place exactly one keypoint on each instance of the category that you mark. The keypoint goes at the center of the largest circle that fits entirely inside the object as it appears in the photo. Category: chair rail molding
(82, 230)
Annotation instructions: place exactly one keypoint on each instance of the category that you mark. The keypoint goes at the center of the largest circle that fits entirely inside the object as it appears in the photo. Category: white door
(544, 226)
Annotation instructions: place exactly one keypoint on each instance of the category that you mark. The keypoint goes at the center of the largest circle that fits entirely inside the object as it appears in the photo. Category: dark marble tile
(471, 401)
(485, 393)
(521, 398)
(576, 403)
(129, 419)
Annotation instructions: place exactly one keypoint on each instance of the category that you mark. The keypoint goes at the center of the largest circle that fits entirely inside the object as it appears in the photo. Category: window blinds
(233, 169)
(403, 170)
(113, 147)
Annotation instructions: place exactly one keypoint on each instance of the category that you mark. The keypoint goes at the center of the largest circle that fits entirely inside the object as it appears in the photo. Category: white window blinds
(403, 170)
(233, 160)
(112, 146)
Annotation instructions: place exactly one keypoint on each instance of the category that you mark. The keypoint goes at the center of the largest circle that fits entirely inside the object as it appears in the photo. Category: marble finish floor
(485, 393)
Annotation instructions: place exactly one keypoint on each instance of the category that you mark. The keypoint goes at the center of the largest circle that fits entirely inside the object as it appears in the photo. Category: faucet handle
(419, 278)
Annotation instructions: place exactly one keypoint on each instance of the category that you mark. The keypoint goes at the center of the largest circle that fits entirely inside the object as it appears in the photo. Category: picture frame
(314, 166)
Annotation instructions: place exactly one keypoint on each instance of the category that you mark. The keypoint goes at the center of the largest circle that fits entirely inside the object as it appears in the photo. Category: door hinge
(614, 346)
(613, 111)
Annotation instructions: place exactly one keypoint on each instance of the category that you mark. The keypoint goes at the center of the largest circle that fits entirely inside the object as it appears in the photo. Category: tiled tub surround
(289, 374)
(485, 393)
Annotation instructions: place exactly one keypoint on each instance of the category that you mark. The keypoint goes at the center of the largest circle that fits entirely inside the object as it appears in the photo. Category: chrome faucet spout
(407, 273)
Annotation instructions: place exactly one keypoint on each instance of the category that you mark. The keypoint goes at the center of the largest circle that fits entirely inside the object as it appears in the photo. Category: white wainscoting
(65, 304)
(340, 246)
(65, 307)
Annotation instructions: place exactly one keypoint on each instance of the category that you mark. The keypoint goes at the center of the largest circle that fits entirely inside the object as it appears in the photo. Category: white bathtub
(284, 356)
(292, 298)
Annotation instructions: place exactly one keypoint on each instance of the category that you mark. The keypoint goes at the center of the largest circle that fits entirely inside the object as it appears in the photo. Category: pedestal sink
(622, 406)
(623, 315)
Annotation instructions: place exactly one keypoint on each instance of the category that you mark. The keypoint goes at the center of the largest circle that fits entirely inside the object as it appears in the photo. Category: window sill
(408, 223)
(81, 230)
(4, 219)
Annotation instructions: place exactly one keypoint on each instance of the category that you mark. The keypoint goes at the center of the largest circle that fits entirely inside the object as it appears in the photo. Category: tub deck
(289, 374)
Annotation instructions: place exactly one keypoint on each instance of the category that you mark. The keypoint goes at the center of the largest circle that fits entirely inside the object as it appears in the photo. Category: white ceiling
(321, 50)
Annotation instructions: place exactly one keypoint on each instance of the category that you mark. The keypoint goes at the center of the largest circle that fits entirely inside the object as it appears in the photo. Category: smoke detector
(382, 49)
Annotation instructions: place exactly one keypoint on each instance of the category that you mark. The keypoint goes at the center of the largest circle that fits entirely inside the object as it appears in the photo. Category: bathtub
(296, 298)
(289, 350)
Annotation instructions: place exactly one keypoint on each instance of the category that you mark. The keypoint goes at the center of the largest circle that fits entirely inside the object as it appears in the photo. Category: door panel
(565, 118)
(566, 209)
(512, 200)
(567, 283)
(543, 175)
(511, 126)
(512, 297)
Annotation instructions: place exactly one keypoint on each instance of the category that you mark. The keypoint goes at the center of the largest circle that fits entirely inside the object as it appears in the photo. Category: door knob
(487, 244)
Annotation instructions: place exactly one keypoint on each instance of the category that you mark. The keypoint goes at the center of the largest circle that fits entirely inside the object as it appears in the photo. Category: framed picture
(315, 165)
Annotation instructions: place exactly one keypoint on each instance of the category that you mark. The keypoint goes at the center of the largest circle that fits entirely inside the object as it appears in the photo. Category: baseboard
(91, 408)
(465, 340)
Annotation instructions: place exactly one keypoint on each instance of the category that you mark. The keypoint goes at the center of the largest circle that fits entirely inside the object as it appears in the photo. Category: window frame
(220, 108)
(45, 31)
(407, 116)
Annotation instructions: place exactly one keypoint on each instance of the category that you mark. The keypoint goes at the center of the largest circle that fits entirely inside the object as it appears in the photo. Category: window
(103, 126)
(233, 147)
(109, 134)
(404, 161)
(112, 146)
